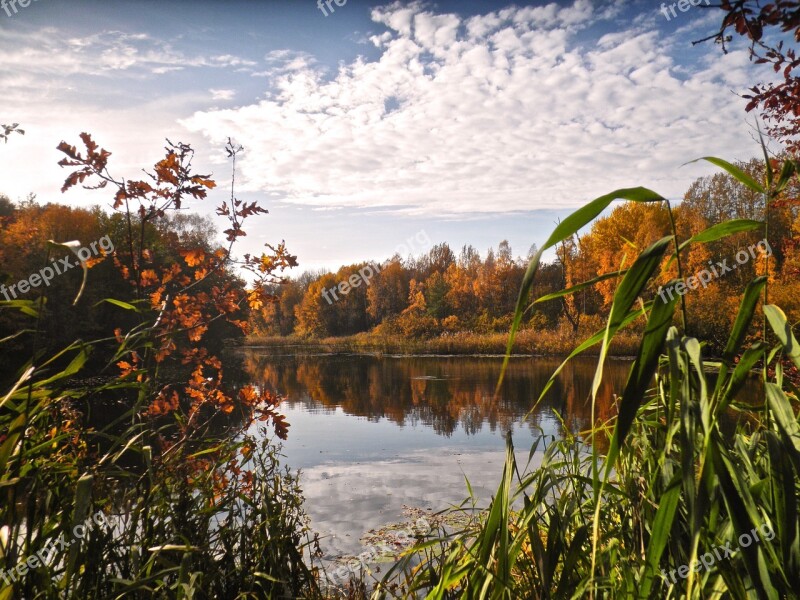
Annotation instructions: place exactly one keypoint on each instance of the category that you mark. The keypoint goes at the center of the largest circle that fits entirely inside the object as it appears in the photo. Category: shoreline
(529, 344)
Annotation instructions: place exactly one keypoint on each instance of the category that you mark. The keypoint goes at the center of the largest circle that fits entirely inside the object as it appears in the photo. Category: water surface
(374, 434)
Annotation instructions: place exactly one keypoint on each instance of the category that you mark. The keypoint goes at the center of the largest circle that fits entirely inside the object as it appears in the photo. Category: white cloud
(57, 84)
(51, 52)
(217, 94)
(286, 61)
(494, 113)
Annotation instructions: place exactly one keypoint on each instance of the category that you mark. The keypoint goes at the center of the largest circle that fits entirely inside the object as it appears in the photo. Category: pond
(373, 436)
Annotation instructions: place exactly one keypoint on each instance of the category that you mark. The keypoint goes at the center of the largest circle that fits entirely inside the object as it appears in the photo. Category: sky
(368, 123)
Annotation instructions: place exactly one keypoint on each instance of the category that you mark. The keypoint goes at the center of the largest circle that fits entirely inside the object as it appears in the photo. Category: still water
(372, 435)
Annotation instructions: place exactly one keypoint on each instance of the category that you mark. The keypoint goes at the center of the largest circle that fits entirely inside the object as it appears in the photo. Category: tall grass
(178, 521)
(643, 519)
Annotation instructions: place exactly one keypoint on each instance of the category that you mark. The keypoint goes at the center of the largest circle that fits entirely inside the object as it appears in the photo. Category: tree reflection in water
(442, 393)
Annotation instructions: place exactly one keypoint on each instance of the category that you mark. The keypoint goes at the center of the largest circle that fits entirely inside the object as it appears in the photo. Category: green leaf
(585, 345)
(578, 287)
(9, 444)
(74, 246)
(581, 217)
(644, 367)
(25, 376)
(15, 335)
(27, 307)
(782, 329)
(40, 386)
(783, 475)
(787, 424)
(692, 347)
(744, 517)
(576, 549)
(206, 451)
(787, 171)
(734, 172)
(660, 530)
(119, 303)
(722, 230)
(493, 540)
(741, 374)
(630, 288)
(744, 317)
(82, 506)
(75, 365)
(768, 174)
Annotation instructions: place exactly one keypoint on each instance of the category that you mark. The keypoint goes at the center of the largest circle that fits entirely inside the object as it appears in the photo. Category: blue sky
(473, 121)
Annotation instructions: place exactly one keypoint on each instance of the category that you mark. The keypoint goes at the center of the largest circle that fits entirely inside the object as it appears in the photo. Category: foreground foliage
(143, 477)
(690, 470)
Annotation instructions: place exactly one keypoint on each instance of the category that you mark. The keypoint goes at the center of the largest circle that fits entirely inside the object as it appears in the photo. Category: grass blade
(569, 226)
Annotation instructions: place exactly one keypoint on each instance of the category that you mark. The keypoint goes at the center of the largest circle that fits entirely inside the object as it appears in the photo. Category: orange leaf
(194, 257)
(125, 367)
(149, 277)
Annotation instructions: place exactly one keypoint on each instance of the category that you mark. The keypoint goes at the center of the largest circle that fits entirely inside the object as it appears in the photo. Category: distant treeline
(442, 292)
(446, 291)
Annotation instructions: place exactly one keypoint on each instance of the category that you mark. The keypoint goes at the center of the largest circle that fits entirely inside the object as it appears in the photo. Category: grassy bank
(528, 342)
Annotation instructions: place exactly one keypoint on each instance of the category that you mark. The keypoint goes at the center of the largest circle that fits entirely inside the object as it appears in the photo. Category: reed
(641, 506)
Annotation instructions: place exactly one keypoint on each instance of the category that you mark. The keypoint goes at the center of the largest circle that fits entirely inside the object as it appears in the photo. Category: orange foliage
(185, 297)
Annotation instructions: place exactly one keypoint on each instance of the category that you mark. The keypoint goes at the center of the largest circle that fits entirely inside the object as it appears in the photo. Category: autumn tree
(567, 259)
(436, 290)
(416, 321)
(283, 315)
(615, 240)
(509, 278)
(387, 294)
(462, 280)
(438, 259)
(316, 316)
(6, 208)
(24, 250)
